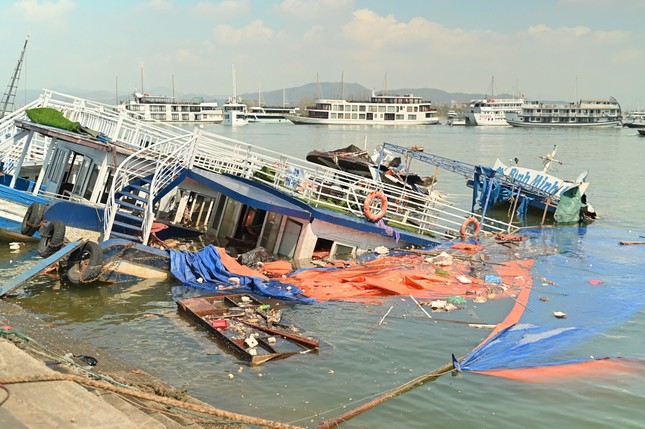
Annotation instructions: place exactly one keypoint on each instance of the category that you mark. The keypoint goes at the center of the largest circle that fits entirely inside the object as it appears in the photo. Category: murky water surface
(361, 359)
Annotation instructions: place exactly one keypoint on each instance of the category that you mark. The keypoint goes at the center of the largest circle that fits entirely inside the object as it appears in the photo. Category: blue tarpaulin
(205, 270)
(590, 286)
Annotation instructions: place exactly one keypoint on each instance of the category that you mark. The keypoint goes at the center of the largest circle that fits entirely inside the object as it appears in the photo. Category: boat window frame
(58, 165)
(83, 175)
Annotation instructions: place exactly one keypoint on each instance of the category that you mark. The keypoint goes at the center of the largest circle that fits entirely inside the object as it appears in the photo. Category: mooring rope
(209, 410)
(445, 369)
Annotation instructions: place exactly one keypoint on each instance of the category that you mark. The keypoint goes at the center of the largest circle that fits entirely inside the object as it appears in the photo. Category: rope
(150, 397)
(445, 369)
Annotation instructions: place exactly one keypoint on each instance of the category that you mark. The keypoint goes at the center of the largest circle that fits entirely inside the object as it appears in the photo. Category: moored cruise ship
(492, 111)
(166, 109)
(270, 115)
(584, 113)
(378, 110)
(235, 112)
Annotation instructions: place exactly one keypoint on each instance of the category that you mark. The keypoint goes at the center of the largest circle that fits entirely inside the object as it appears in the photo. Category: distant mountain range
(301, 96)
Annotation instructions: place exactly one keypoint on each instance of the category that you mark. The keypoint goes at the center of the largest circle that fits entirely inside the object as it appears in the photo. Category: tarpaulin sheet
(587, 285)
(413, 274)
(212, 269)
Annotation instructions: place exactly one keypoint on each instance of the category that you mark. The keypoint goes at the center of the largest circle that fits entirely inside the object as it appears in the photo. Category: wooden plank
(7, 235)
(16, 282)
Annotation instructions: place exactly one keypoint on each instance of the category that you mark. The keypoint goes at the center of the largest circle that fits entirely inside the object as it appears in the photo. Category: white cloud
(314, 9)
(160, 5)
(223, 9)
(628, 57)
(44, 11)
(253, 34)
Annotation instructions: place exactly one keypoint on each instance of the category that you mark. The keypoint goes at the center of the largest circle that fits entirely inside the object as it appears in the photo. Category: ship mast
(234, 89)
(10, 94)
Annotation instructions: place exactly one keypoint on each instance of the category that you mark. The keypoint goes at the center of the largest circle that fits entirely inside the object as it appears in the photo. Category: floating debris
(559, 314)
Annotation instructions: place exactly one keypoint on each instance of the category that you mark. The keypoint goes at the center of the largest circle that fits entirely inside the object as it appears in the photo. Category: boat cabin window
(271, 231)
(86, 179)
(323, 247)
(290, 237)
(57, 165)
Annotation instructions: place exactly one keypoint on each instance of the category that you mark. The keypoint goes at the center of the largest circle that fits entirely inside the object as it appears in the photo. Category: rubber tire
(33, 218)
(52, 237)
(85, 264)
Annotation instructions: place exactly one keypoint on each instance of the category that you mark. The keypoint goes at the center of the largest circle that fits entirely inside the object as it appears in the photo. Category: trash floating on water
(559, 314)
(248, 327)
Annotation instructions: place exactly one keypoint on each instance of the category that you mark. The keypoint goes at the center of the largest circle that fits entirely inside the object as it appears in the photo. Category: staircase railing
(160, 164)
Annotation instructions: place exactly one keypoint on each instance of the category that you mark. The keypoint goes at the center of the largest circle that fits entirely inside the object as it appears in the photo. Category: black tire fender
(33, 218)
(85, 264)
(52, 237)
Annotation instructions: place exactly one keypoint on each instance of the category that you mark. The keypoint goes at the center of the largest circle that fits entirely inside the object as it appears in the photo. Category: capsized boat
(523, 187)
(381, 165)
(566, 199)
(116, 177)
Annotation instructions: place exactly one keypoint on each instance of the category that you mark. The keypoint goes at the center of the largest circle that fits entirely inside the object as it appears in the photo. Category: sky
(546, 49)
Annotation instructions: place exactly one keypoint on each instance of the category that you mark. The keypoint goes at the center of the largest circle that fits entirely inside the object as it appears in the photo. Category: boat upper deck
(177, 151)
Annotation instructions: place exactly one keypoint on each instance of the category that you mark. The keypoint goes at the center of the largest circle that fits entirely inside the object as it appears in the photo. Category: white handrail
(175, 148)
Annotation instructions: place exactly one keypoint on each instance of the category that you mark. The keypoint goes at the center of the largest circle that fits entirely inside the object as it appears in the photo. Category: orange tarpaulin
(554, 373)
(277, 268)
(235, 267)
(407, 275)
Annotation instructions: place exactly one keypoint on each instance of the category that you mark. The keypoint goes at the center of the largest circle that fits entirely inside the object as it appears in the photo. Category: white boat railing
(11, 148)
(427, 214)
(159, 165)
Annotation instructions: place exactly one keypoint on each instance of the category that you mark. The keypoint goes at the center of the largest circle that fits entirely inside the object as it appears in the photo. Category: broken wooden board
(244, 325)
(18, 281)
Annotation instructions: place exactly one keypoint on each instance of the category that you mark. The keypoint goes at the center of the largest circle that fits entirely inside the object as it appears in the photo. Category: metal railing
(171, 148)
(163, 162)
(428, 214)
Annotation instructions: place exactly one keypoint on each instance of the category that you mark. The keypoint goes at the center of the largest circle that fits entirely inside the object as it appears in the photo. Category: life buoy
(367, 210)
(464, 228)
(85, 264)
(33, 218)
(52, 237)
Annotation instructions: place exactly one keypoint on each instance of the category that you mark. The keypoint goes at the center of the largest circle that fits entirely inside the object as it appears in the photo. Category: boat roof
(257, 195)
(250, 193)
(71, 137)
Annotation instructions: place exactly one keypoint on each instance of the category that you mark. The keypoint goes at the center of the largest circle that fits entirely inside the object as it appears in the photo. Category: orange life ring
(464, 227)
(368, 201)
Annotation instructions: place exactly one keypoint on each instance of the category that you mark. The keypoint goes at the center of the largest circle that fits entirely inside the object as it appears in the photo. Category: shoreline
(36, 353)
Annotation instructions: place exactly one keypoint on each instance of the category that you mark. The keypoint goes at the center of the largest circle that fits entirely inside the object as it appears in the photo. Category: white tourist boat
(492, 111)
(380, 109)
(163, 108)
(635, 119)
(270, 115)
(455, 119)
(584, 113)
(235, 113)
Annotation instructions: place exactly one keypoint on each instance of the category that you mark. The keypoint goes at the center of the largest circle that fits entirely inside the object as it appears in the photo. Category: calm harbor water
(361, 359)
